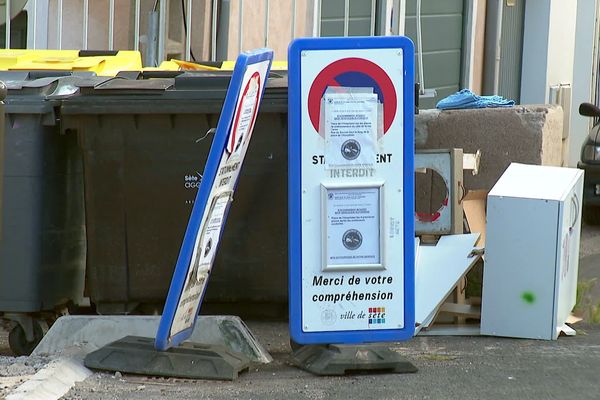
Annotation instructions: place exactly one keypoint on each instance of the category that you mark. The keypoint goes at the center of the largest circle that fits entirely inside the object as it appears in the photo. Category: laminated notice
(352, 228)
(351, 121)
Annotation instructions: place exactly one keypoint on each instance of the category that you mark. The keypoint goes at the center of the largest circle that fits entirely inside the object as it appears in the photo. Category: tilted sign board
(215, 194)
(351, 151)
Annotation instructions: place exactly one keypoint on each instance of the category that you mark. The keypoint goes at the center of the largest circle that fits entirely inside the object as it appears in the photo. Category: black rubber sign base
(335, 359)
(137, 355)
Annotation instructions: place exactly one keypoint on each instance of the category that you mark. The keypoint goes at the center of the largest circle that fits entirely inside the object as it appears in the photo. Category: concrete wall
(548, 48)
(586, 36)
(549, 59)
(526, 134)
(561, 42)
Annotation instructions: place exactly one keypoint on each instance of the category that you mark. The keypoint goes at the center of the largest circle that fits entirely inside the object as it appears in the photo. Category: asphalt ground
(449, 367)
(589, 274)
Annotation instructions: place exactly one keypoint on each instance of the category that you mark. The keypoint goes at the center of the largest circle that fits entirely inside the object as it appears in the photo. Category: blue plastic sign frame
(222, 144)
(296, 110)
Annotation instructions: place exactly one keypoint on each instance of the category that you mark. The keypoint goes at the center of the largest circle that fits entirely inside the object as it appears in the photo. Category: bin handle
(211, 131)
(98, 53)
(160, 74)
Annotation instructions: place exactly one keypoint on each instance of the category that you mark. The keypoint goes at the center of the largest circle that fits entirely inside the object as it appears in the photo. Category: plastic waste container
(2, 97)
(144, 144)
(42, 251)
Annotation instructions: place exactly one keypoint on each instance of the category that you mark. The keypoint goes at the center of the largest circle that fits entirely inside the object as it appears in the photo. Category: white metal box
(532, 251)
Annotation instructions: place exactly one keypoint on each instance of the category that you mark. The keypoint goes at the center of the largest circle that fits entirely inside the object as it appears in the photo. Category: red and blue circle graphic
(353, 72)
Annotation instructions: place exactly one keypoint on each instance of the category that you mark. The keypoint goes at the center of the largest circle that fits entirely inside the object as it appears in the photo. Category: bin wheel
(18, 342)
(591, 215)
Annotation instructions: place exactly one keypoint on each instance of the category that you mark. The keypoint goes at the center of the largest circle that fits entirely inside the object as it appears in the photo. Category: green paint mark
(528, 297)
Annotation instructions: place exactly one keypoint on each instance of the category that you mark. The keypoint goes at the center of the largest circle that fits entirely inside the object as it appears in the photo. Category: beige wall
(123, 38)
(279, 37)
(201, 20)
(280, 25)
(72, 32)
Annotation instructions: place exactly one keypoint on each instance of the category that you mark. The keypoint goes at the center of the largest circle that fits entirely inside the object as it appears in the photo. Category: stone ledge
(530, 134)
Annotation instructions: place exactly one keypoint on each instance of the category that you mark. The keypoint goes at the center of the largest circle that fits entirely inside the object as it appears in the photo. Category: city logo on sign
(328, 317)
(376, 315)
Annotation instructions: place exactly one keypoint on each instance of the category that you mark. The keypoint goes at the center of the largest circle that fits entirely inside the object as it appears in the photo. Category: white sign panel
(352, 190)
(220, 196)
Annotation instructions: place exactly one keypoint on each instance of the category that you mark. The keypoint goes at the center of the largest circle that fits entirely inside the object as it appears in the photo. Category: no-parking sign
(351, 151)
(214, 197)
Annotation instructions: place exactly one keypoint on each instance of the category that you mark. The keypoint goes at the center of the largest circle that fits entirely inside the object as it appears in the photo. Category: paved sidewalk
(589, 273)
(449, 368)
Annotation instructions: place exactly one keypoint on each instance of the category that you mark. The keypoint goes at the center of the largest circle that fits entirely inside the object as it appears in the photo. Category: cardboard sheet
(474, 207)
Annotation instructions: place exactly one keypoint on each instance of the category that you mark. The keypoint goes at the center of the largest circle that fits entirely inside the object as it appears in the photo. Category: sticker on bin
(219, 180)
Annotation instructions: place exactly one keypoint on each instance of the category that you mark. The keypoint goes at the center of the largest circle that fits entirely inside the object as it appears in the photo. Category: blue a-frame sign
(341, 312)
(209, 213)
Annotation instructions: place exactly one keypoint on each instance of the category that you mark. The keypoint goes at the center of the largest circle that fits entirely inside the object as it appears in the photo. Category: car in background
(590, 163)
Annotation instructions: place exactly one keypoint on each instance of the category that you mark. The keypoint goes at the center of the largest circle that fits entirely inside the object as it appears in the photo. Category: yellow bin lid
(70, 60)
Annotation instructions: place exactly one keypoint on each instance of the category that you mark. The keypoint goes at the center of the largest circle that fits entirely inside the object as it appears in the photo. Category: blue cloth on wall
(467, 99)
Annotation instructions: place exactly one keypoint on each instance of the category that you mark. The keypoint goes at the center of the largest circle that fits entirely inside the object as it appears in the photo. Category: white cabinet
(532, 251)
